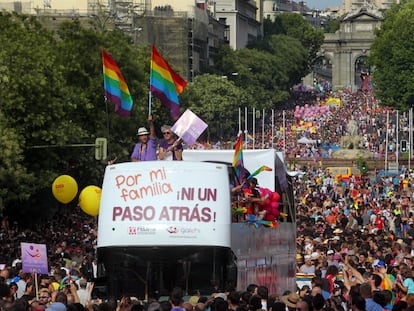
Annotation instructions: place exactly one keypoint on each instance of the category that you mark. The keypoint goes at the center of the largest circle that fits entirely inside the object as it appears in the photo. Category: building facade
(352, 5)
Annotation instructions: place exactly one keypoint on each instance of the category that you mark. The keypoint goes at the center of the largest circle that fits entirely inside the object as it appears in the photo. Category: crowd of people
(355, 239)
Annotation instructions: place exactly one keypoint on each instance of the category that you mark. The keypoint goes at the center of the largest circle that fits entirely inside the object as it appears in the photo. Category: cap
(330, 252)
(142, 131)
(378, 263)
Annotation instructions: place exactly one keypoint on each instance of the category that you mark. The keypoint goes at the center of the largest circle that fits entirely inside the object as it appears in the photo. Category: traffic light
(101, 152)
(404, 147)
(364, 167)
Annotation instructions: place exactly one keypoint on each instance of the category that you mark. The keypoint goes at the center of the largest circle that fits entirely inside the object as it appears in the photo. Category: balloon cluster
(310, 112)
(65, 189)
(271, 204)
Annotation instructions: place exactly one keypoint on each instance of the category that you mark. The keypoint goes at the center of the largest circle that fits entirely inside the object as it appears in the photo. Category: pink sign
(189, 127)
(34, 258)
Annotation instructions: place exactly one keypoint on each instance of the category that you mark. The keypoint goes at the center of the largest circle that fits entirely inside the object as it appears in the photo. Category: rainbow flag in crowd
(238, 157)
(250, 138)
(165, 83)
(116, 89)
(259, 170)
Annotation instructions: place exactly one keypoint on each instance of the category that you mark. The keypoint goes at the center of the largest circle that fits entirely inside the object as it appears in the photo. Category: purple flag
(34, 258)
(189, 127)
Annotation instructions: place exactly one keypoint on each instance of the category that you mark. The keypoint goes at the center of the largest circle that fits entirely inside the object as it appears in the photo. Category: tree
(216, 100)
(392, 54)
(51, 95)
(332, 25)
(261, 75)
(291, 53)
(294, 25)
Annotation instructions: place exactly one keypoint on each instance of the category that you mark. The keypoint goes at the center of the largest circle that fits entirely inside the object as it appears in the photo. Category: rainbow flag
(259, 170)
(116, 89)
(250, 138)
(165, 83)
(238, 157)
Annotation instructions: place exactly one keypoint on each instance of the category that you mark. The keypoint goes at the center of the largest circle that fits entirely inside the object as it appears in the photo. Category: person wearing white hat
(146, 149)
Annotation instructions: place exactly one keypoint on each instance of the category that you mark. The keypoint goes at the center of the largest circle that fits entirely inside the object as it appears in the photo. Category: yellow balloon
(90, 199)
(65, 188)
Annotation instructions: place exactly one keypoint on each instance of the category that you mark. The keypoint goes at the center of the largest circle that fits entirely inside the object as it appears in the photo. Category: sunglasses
(43, 297)
(166, 133)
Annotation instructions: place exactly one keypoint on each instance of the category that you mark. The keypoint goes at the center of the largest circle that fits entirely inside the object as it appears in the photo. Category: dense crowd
(354, 239)
(326, 131)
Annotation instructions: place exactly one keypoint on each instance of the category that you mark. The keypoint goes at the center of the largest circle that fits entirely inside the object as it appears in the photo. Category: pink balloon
(274, 205)
(275, 196)
(266, 192)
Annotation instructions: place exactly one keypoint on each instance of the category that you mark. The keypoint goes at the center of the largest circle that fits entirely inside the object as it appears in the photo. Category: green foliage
(361, 164)
(216, 100)
(292, 53)
(392, 54)
(332, 25)
(295, 26)
(52, 95)
(265, 77)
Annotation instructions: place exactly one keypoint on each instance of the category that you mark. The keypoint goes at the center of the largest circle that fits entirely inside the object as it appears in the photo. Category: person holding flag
(170, 148)
(146, 149)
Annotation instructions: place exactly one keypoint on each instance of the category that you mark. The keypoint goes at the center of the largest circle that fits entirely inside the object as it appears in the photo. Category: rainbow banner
(165, 83)
(116, 89)
(259, 170)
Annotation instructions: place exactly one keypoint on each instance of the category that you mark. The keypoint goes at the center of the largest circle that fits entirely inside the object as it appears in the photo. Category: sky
(323, 4)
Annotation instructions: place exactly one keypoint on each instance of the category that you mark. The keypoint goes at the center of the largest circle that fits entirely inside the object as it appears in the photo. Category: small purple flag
(34, 258)
(189, 127)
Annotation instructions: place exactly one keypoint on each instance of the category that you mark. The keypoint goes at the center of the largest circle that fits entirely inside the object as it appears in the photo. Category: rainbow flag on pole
(165, 83)
(250, 138)
(116, 89)
(238, 157)
(259, 170)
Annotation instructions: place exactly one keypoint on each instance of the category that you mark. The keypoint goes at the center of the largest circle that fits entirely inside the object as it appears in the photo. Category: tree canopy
(295, 26)
(392, 55)
(52, 98)
(217, 100)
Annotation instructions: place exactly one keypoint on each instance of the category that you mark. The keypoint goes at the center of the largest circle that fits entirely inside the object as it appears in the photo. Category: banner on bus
(165, 203)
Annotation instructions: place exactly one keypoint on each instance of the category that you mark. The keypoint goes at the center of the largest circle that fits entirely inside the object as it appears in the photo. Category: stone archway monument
(352, 41)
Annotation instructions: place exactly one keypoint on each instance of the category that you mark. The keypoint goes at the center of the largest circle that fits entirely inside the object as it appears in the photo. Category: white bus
(164, 224)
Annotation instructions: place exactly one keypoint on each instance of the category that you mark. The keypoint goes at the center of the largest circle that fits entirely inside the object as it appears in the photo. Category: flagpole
(397, 147)
(284, 133)
(107, 128)
(263, 130)
(410, 137)
(254, 125)
(149, 102)
(149, 92)
(239, 120)
(386, 141)
(273, 126)
(245, 125)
